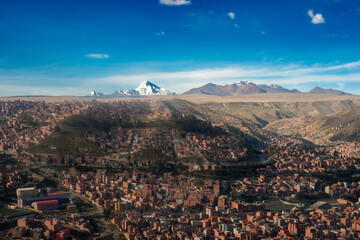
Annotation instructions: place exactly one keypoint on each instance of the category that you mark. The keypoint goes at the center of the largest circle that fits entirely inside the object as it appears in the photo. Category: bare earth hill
(239, 88)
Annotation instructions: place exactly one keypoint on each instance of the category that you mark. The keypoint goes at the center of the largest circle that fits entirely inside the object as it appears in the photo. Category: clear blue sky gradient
(45, 45)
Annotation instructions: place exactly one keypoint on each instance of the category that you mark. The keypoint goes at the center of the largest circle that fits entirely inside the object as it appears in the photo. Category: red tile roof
(47, 203)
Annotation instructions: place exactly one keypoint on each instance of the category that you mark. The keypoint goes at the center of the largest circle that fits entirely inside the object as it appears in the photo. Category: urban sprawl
(137, 169)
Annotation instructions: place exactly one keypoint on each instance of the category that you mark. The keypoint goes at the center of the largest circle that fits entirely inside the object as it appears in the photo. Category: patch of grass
(280, 207)
(66, 143)
(197, 160)
(28, 120)
(7, 212)
(69, 136)
(150, 154)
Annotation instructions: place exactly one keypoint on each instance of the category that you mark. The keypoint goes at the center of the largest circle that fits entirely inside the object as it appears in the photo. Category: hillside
(239, 88)
(286, 117)
(343, 126)
(69, 136)
(260, 113)
(102, 131)
(318, 90)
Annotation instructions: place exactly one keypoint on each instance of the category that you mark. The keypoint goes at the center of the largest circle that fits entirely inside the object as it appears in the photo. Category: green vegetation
(280, 207)
(150, 154)
(311, 197)
(194, 160)
(250, 198)
(194, 125)
(7, 212)
(88, 123)
(66, 143)
(228, 173)
(189, 124)
(26, 119)
(68, 137)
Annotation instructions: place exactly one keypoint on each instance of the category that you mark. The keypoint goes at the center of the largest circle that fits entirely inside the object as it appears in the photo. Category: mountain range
(148, 88)
(245, 87)
(239, 88)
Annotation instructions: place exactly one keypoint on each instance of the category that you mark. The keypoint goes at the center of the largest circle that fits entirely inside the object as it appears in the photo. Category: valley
(189, 154)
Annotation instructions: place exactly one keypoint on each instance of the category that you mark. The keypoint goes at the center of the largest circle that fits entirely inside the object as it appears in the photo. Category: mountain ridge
(239, 88)
(146, 88)
(319, 90)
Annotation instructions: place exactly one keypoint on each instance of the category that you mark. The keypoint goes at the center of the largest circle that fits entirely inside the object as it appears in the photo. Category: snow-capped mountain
(95, 94)
(146, 88)
(122, 93)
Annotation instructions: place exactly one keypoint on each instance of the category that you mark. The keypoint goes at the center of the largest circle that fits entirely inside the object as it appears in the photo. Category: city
(179, 119)
(136, 169)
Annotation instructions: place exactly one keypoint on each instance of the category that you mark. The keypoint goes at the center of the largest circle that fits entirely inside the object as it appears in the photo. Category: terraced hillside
(133, 127)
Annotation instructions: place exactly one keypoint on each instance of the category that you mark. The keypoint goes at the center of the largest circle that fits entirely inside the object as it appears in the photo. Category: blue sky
(72, 47)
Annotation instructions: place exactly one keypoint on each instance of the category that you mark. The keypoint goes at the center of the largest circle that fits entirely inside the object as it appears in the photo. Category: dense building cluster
(144, 171)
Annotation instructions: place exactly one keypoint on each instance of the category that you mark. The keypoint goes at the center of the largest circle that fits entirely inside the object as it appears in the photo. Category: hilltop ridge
(239, 88)
(247, 88)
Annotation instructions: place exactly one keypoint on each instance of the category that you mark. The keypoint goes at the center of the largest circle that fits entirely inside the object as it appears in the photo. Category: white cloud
(294, 75)
(23, 90)
(236, 25)
(97, 55)
(174, 2)
(231, 15)
(162, 33)
(288, 75)
(316, 18)
(345, 65)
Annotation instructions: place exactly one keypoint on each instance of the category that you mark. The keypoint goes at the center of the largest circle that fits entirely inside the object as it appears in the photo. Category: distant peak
(147, 85)
(146, 88)
(149, 88)
(274, 86)
(317, 90)
(242, 83)
(95, 94)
